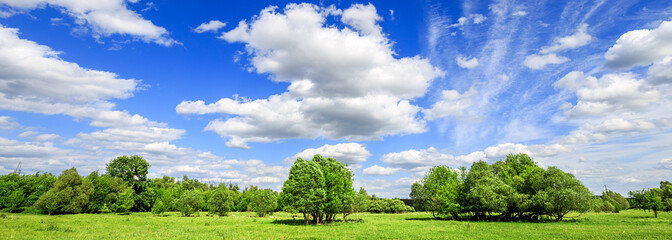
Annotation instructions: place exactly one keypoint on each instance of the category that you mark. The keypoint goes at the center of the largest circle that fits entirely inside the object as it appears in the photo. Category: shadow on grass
(301, 222)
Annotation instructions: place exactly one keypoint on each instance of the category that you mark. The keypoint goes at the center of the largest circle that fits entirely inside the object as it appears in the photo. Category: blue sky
(230, 92)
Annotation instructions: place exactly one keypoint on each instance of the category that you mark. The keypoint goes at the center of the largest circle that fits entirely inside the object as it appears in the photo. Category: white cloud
(611, 92)
(411, 159)
(576, 40)
(363, 18)
(343, 84)
(376, 170)
(665, 163)
(661, 71)
(353, 154)
(34, 73)
(452, 103)
(103, 18)
(536, 61)
(519, 13)
(212, 26)
(465, 62)
(547, 55)
(621, 125)
(7, 123)
(641, 47)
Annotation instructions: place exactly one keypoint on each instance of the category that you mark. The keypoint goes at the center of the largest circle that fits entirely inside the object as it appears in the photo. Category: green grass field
(631, 224)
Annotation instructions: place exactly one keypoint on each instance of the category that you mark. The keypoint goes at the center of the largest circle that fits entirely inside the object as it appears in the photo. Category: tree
(221, 201)
(158, 208)
(70, 194)
(616, 200)
(264, 202)
(338, 188)
(125, 201)
(362, 200)
(133, 170)
(439, 192)
(304, 189)
(191, 201)
(649, 199)
(563, 193)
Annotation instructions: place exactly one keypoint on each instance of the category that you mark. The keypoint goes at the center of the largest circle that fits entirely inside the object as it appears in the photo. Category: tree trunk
(305, 218)
(655, 213)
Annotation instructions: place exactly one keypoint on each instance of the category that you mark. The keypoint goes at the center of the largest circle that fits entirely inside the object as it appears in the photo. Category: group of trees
(124, 187)
(516, 188)
(653, 199)
(321, 189)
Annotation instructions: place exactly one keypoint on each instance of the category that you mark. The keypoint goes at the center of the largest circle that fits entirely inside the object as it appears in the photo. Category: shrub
(190, 202)
(263, 202)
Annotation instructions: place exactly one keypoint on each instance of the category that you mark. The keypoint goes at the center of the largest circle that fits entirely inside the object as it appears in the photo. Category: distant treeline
(518, 189)
(124, 188)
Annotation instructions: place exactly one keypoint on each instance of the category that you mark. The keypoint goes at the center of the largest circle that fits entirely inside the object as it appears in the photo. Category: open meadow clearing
(630, 224)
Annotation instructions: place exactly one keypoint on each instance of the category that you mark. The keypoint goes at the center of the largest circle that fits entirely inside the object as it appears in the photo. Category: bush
(221, 201)
(158, 208)
(70, 194)
(263, 202)
(190, 202)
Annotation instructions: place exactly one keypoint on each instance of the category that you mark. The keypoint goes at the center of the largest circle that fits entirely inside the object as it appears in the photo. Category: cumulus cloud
(364, 19)
(536, 61)
(547, 55)
(34, 74)
(500, 151)
(465, 62)
(412, 158)
(661, 71)
(452, 103)
(353, 154)
(376, 170)
(609, 93)
(212, 26)
(344, 83)
(641, 47)
(103, 18)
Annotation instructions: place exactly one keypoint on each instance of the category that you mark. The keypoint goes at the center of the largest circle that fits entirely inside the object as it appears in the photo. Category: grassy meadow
(631, 224)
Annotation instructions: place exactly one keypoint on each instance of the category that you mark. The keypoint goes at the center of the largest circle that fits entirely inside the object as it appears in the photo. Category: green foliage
(131, 169)
(221, 201)
(438, 192)
(70, 194)
(514, 188)
(158, 208)
(648, 199)
(264, 202)
(320, 188)
(125, 201)
(362, 201)
(20, 192)
(191, 201)
(615, 200)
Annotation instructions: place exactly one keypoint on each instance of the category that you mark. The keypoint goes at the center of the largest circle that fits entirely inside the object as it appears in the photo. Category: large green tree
(70, 194)
(438, 192)
(304, 190)
(133, 170)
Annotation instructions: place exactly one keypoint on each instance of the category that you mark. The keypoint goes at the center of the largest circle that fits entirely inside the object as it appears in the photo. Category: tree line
(124, 187)
(519, 189)
(321, 191)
